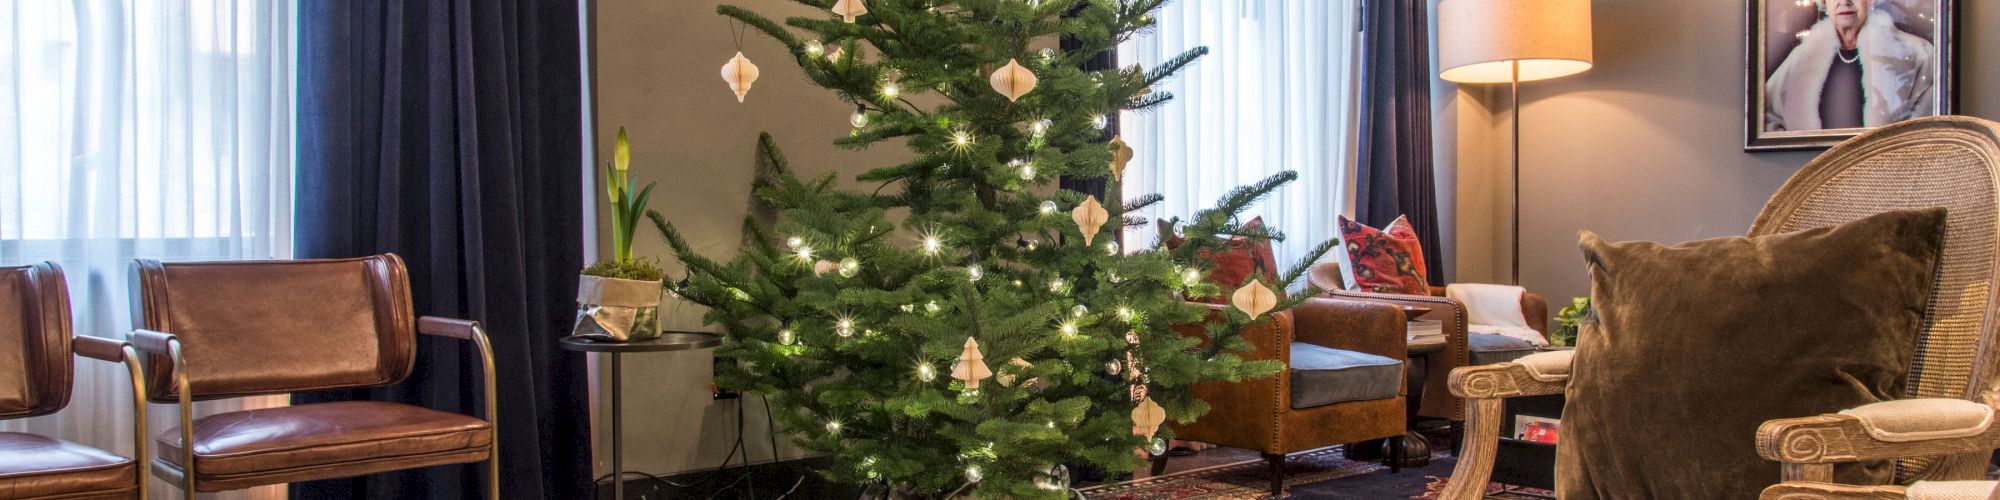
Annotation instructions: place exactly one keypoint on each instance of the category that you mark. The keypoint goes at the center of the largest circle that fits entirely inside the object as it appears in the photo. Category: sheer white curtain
(140, 129)
(1275, 93)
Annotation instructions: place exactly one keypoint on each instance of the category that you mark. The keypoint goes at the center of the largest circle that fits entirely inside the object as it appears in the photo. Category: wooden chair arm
(1823, 440)
(1536, 375)
(1808, 490)
(1484, 387)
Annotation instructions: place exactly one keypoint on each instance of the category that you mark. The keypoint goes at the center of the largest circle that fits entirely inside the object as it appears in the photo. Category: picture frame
(1809, 82)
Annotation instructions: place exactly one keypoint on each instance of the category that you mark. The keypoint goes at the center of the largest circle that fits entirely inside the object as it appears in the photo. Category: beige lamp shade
(1480, 41)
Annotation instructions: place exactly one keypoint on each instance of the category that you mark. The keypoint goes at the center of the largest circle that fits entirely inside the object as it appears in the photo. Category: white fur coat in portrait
(1897, 74)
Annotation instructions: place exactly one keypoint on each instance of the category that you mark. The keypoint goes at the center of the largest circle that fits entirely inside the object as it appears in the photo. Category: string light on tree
(805, 253)
(833, 426)
(794, 242)
(961, 140)
(974, 272)
(1099, 122)
(859, 118)
(849, 267)
(815, 48)
(1048, 207)
(925, 372)
(844, 326)
(890, 90)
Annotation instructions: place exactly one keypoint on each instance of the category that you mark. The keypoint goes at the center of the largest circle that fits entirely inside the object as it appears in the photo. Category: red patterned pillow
(1387, 260)
(1242, 258)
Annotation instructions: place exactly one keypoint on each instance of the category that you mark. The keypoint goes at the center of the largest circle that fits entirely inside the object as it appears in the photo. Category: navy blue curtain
(1394, 172)
(448, 131)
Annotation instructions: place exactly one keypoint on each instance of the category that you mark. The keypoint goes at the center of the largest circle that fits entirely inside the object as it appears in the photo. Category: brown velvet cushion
(1693, 346)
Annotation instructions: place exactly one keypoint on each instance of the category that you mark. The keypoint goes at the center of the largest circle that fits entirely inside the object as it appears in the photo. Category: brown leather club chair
(35, 378)
(217, 330)
(1261, 414)
(1438, 401)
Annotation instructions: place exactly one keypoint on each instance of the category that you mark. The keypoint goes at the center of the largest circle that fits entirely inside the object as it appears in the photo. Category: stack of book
(1422, 330)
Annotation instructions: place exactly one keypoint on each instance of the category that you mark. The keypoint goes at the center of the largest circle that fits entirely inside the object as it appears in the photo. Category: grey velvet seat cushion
(1488, 348)
(1323, 376)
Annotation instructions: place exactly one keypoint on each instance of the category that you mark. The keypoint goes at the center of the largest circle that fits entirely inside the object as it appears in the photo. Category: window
(1274, 93)
(140, 129)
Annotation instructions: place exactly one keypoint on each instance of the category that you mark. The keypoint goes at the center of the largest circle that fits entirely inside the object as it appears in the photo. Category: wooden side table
(667, 341)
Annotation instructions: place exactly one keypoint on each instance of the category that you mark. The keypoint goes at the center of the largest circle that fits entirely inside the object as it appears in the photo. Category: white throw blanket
(1495, 310)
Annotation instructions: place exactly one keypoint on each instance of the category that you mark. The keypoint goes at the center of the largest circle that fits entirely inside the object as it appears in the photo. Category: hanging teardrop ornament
(1254, 299)
(1147, 417)
(740, 73)
(849, 9)
(1089, 216)
(1121, 154)
(971, 365)
(1012, 80)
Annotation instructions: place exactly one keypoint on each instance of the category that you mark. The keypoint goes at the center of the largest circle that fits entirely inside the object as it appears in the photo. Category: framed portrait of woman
(1821, 71)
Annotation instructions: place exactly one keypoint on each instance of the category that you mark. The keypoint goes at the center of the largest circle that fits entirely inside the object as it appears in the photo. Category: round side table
(667, 341)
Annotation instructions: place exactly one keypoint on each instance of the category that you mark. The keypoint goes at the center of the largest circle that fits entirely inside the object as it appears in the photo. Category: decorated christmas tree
(959, 324)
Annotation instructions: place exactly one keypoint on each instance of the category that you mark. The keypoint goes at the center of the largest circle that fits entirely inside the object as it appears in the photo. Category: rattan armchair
(1953, 162)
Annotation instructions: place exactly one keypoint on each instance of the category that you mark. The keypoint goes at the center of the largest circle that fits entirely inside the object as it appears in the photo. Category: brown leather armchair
(1259, 414)
(35, 379)
(1438, 401)
(216, 330)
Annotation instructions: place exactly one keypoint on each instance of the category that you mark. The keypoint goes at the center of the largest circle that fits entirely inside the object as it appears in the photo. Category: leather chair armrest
(447, 327)
(1890, 429)
(1353, 325)
(1536, 308)
(121, 352)
(151, 342)
(1535, 375)
(1809, 490)
(100, 348)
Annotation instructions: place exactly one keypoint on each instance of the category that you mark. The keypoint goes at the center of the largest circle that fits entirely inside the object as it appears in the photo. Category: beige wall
(658, 74)
(1647, 145)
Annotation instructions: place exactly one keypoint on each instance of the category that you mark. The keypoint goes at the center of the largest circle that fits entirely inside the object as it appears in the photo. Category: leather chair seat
(1324, 375)
(33, 466)
(325, 440)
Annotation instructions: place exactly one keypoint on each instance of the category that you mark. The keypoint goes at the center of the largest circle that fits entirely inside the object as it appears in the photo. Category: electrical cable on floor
(732, 454)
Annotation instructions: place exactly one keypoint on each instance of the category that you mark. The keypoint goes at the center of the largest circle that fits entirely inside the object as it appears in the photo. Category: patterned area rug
(1317, 474)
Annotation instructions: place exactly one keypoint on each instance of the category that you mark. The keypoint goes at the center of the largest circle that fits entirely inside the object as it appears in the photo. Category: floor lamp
(1512, 41)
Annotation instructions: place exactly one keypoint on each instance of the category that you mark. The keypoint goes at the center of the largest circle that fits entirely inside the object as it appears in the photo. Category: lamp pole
(1515, 275)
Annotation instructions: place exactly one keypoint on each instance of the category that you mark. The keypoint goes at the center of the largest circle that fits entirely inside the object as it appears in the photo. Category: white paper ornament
(740, 73)
(823, 266)
(1012, 80)
(971, 365)
(1254, 298)
(849, 9)
(1089, 216)
(1146, 418)
(1121, 154)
